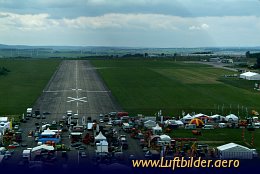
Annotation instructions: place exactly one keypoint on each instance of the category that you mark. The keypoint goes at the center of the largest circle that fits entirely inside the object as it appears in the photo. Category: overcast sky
(134, 23)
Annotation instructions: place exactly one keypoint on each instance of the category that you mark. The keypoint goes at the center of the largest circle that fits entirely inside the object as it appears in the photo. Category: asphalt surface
(76, 86)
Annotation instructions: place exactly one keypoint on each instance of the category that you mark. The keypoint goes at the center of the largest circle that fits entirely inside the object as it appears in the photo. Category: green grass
(146, 86)
(217, 137)
(24, 84)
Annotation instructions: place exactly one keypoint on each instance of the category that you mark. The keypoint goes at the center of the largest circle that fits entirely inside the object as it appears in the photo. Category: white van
(207, 126)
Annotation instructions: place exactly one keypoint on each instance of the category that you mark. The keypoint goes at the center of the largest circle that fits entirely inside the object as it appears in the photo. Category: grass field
(24, 84)
(218, 137)
(146, 86)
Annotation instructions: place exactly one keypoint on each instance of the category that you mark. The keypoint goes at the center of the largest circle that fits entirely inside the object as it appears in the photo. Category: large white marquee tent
(250, 76)
(234, 151)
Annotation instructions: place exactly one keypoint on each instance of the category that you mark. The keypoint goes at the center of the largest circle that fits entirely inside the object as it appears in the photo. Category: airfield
(76, 86)
(92, 87)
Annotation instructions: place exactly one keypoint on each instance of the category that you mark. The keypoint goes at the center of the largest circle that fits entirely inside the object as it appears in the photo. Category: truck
(29, 112)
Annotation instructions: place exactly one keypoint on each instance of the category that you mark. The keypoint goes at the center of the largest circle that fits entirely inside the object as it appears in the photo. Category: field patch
(146, 86)
(24, 83)
(193, 75)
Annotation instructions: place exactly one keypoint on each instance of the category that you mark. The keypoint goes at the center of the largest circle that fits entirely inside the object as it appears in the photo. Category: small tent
(188, 116)
(165, 138)
(186, 119)
(234, 151)
(100, 137)
(231, 117)
(157, 130)
(179, 123)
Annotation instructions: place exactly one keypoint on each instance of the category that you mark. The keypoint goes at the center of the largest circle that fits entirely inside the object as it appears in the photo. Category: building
(215, 59)
(250, 76)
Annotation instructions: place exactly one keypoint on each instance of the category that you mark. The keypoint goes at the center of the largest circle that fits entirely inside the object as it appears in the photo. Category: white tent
(165, 138)
(231, 117)
(234, 151)
(179, 123)
(46, 147)
(149, 124)
(217, 117)
(186, 119)
(102, 146)
(100, 137)
(198, 115)
(250, 76)
(157, 130)
(188, 116)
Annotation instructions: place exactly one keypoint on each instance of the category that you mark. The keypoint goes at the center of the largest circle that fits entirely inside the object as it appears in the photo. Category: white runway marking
(76, 99)
(76, 90)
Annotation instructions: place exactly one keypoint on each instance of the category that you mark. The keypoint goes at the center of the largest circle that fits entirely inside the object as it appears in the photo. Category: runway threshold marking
(76, 99)
(49, 91)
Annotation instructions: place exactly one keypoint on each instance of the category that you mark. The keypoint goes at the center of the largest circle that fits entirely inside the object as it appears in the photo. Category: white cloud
(200, 27)
(27, 21)
(126, 21)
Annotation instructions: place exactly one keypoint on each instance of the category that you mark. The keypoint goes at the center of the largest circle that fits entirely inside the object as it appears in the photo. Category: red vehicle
(121, 114)
(13, 145)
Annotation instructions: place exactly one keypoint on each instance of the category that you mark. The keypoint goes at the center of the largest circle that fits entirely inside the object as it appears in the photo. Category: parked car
(208, 127)
(38, 116)
(13, 145)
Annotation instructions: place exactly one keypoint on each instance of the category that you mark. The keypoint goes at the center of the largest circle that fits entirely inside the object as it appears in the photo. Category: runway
(76, 86)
